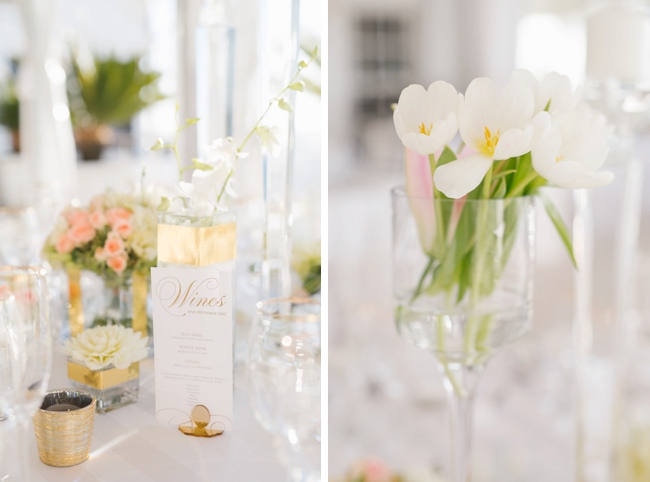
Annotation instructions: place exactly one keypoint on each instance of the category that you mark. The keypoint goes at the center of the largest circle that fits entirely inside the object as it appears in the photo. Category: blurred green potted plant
(9, 112)
(107, 92)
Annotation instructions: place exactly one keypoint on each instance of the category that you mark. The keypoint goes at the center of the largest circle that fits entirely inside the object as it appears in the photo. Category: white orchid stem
(259, 121)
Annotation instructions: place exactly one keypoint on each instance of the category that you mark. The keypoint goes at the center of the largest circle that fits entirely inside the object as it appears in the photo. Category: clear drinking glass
(25, 361)
(283, 368)
(463, 285)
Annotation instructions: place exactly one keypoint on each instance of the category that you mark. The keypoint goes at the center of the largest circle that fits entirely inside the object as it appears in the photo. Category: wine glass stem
(460, 413)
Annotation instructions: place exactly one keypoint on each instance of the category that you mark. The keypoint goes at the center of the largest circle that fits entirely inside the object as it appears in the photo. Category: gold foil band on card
(75, 306)
(102, 379)
(196, 246)
(140, 289)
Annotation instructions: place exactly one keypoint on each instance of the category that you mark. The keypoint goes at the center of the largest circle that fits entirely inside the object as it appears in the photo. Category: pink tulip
(117, 214)
(98, 220)
(64, 245)
(123, 228)
(117, 263)
(113, 246)
(419, 188)
(81, 233)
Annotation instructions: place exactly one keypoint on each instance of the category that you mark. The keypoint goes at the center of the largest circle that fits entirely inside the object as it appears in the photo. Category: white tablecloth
(130, 446)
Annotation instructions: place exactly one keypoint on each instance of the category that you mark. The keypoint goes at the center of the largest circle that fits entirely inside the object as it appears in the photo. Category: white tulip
(497, 127)
(427, 120)
(553, 91)
(573, 148)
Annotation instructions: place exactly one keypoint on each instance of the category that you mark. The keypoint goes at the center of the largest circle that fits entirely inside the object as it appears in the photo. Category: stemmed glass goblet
(283, 369)
(462, 273)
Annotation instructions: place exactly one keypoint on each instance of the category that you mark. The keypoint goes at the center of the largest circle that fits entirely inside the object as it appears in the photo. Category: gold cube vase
(112, 387)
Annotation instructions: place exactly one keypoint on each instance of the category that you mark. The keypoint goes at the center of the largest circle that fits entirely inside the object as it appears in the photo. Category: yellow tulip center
(559, 158)
(424, 130)
(491, 141)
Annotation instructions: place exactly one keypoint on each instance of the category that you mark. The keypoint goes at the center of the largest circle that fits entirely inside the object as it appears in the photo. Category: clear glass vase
(98, 301)
(463, 285)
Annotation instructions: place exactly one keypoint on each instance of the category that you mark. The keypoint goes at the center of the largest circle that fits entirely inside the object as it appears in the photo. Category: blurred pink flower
(64, 245)
(114, 245)
(117, 263)
(81, 233)
(77, 217)
(371, 470)
(116, 214)
(98, 220)
(123, 228)
(97, 203)
(100, 255)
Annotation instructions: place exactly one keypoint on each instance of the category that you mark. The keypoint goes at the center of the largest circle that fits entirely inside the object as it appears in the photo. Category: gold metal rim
(262, 309)
(90, 406)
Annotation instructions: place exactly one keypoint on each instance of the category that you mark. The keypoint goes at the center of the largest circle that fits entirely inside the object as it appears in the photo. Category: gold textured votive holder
(63, 438)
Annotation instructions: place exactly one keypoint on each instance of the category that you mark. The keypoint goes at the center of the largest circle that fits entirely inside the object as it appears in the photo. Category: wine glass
(283, 369)
(462, 274)
(25, 361)
(21, 239)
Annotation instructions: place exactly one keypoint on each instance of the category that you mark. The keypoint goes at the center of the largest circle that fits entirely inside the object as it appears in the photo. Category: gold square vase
(113, 387)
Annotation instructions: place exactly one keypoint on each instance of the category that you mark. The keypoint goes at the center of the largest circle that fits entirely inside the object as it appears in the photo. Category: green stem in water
(418, 289)
(519, 188)
(481, 232)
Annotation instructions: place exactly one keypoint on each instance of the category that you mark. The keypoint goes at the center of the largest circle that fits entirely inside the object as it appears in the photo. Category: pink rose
(117, 263)
(116, 214)
(98, 220)
(82, 233)
(123, 228)
(100, 255)
(77, 217)
(64, 245)
(113, 246)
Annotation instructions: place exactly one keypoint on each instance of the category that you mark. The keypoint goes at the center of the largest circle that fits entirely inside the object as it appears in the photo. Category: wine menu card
(192, 329)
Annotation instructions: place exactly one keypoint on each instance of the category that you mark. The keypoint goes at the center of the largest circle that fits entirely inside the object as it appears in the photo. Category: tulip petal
(461, 176)
(525, 77)
(419, 187)
(513, 143)
(555, 88)
(515, 106)
(478, 112)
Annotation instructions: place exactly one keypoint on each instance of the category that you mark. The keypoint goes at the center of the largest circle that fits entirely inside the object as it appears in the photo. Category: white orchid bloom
(497, 127)
(554, 91)
(269, 138)
(223, 151)
(573, 148)
(205, 187)
(427, 120)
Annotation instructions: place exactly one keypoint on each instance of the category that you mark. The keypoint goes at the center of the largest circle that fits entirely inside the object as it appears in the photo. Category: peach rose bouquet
(114, 236)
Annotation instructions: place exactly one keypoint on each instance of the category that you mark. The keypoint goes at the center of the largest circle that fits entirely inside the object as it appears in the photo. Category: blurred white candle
(617, 43)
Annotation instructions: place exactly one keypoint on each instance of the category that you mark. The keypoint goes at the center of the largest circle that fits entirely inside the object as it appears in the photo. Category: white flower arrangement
(103, 346)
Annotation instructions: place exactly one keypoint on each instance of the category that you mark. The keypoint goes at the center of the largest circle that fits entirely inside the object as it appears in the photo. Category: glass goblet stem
(461, 404)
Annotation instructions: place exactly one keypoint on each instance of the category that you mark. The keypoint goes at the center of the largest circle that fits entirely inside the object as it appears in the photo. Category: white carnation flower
(102, 346)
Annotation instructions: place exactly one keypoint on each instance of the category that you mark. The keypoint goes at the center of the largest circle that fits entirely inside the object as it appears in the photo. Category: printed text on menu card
(192, 313)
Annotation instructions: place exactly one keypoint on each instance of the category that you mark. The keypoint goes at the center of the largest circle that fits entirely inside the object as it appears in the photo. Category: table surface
(130, 446)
